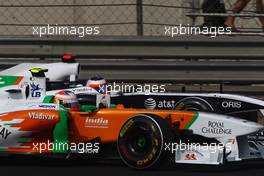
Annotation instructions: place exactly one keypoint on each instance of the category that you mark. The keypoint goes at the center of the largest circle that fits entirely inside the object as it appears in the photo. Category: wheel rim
(139, 142)
(152, 143)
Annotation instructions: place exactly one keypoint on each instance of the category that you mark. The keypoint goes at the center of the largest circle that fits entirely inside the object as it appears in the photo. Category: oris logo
(150, 103)
(232, 104)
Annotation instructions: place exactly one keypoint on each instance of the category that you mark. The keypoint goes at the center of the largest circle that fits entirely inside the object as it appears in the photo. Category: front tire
(141, 141)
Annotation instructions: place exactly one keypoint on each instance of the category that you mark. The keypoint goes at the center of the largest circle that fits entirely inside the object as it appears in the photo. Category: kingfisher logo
(41, 116)
(96, 123)
(35, 90)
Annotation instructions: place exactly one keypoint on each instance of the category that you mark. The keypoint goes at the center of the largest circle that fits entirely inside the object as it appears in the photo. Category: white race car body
(57, 71)
(217, 102)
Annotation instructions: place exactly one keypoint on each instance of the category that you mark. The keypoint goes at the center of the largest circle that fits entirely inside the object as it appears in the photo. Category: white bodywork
(57, 71)
(213, 95)
(89, 90)
(23, 95)
(229, 131)
(78, 90)
(202, 155)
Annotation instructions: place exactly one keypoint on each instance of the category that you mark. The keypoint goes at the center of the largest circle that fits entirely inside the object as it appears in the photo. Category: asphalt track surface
(48, 167)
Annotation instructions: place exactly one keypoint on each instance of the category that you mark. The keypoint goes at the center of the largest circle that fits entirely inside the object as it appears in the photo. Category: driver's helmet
(98, 83)
(68, 99)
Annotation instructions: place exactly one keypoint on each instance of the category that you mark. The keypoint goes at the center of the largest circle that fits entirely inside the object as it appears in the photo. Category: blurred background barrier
(115, 17)
(127, 47)
(229, 76)
(132, 45)
(184, 60)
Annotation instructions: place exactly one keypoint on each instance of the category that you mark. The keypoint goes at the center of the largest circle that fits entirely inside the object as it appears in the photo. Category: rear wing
(62, 71)
(32, 88)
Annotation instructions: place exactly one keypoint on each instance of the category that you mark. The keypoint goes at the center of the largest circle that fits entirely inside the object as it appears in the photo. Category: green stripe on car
(60, 133)
(196, 115)
(7, 80)
(48, 99)
(9, 124)
(3, 149)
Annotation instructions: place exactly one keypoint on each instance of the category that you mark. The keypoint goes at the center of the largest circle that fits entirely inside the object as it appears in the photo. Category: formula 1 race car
(228, 104)
(235, 105)
(33, 123)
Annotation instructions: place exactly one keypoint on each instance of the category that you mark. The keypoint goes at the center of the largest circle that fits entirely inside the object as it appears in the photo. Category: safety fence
(113, 17)
(240, 77)
(130, 47)
(127, 47)
(236, 60)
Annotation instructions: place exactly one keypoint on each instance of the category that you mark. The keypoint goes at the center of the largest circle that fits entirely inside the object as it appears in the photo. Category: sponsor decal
(126, 127)
(96, 123)
(232, 104)
(82, 90)
(35, 90)
(190, 156)
(4, 132)
(47, 106)
(215, 127)
(41, 116)
(167, 104)
(150, 103)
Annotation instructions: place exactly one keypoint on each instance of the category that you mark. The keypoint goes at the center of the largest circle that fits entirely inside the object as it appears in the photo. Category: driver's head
(68, 99)
(98, 83)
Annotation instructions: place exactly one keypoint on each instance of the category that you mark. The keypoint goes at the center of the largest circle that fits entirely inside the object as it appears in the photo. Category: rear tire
(141, 141)
(194, 104)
